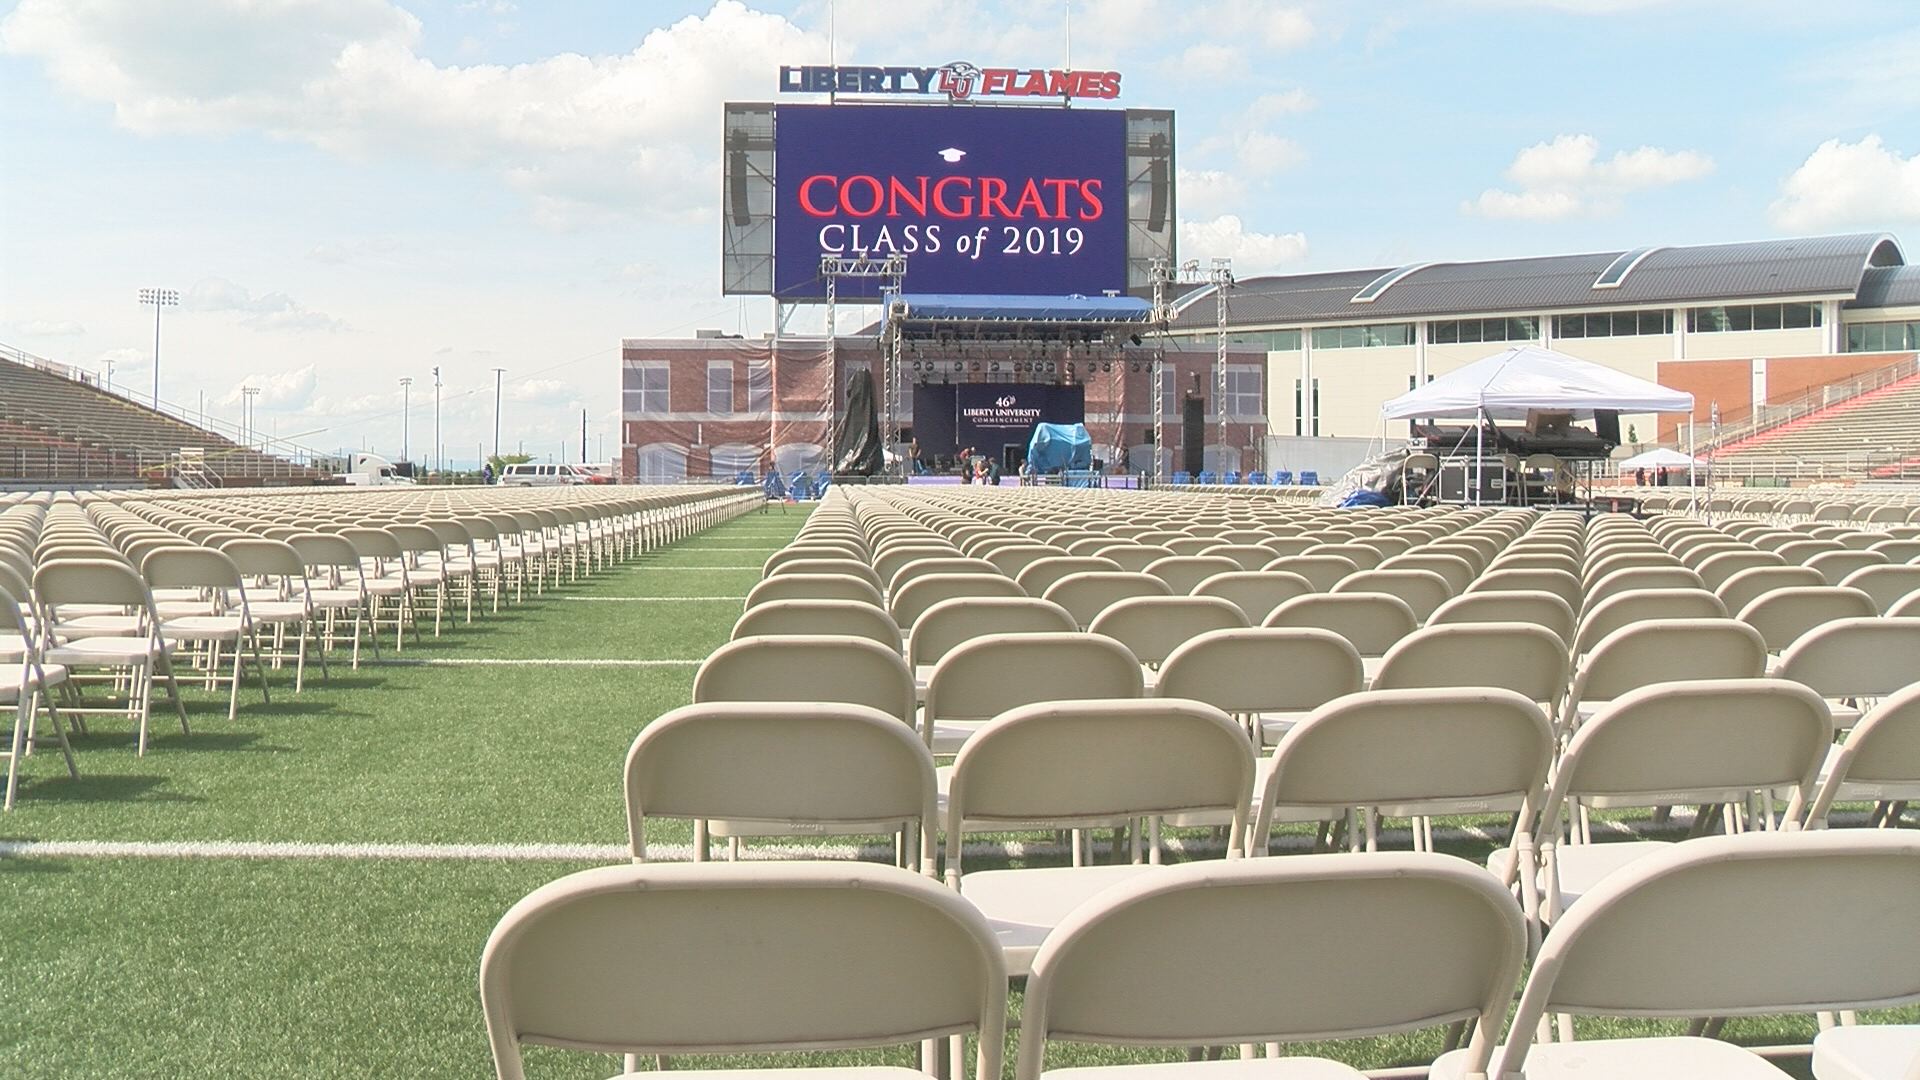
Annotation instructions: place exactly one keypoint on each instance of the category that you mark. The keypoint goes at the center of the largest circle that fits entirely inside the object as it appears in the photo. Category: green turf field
(131, 949)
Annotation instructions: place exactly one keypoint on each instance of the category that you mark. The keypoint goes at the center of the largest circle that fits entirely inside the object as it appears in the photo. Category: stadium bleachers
(1871, 434)
(57, 430)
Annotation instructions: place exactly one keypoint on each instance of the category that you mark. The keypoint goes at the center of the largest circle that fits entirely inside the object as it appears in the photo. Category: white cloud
(1206, 192)
(285, 391)
(1262, 152)
(337, 252)
(125, 359)
(1844, 184)
(541, 391)
(1205, 59)
(632, 131)
(1567, 177)
(1282, 27)
(1252, 252)
(1526, 205)
(46, 328)
(1289, 103)
(267, 311)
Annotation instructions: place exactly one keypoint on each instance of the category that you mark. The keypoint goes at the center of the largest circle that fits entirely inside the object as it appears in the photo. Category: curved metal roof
(1888, 286)
(1663, 276)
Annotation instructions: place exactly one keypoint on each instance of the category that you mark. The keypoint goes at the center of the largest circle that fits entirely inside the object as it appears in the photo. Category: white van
(528, 474)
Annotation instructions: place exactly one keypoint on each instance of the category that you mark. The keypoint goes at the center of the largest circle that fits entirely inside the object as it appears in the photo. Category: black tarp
(856, 446)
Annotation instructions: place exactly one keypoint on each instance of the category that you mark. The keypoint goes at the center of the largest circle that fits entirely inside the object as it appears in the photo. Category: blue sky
(351, 191)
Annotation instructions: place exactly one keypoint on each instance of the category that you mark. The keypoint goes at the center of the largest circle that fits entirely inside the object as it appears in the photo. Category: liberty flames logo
(957, 80)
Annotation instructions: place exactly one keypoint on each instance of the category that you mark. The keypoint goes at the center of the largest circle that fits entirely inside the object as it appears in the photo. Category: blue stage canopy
(951, 307)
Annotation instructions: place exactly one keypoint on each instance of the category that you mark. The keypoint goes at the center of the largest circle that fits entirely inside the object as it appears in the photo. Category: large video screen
(980, 200)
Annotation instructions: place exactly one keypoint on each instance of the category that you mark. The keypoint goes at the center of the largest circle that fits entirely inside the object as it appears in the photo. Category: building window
(645, 388)
(1270, 340)
(1372, 336)
(1243, 390)
(759, 385)
(1304, 422)
(1883, 336)
(720, 387)
(1169, 401)
(1614, 324)
(1454, 331)
(1737, 317)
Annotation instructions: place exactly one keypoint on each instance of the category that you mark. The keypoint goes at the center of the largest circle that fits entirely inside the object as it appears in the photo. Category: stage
(1012, 480)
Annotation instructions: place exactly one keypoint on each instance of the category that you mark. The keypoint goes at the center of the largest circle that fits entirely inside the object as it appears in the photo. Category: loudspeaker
(1157, 184)
(737, 178)
(1606, 424)
(1193, 434)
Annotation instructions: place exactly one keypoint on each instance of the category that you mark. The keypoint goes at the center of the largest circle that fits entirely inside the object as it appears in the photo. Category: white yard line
(257, 849)
(645, 599)
(498, 661)
(742, 566)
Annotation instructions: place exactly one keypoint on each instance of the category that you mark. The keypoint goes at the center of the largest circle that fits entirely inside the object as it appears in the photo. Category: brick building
(712, 406)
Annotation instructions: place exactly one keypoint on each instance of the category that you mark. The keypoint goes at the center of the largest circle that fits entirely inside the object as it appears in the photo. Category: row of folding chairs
(1095, 762)
(108, 593)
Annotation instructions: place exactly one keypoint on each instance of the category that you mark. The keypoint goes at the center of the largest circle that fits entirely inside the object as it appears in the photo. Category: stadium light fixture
(406, 414)
(497, 372)
(157, 299)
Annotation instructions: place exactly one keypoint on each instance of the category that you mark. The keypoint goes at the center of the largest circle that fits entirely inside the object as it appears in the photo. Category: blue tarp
(1092, 309)
(1059, 446)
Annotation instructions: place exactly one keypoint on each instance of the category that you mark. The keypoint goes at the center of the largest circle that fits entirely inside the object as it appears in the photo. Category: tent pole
(1479, 454)
(1693, 495)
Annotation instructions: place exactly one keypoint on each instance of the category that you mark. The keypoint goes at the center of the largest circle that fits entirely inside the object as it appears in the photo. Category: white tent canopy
(1510, 384)
(1661, 458)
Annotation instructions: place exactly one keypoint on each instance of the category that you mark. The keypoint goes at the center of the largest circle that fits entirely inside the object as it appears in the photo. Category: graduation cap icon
(952, 154)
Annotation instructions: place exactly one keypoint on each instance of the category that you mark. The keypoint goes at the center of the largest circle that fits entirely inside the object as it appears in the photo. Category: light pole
(437, 462)
(247, 394)
(406, 413)
(496, 410)
(157, 299)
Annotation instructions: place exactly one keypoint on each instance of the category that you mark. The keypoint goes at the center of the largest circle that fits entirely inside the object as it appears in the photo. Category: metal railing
(1742, 424)
(286, 449)
(1784, 470)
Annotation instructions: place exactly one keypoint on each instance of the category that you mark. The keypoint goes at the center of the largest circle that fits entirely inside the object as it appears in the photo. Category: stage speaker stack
(1193, 434)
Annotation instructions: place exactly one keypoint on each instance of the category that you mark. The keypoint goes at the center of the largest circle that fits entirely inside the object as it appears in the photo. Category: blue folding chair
(1256, 477)
(1182, 477)
(1283, 476)
(1309, 478)
(1233, 476)
(1209, 477)
(743, 478)
(801, 485)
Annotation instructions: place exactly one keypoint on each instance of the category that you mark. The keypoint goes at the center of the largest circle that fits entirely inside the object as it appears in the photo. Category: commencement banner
(990, 416)
(980, 200)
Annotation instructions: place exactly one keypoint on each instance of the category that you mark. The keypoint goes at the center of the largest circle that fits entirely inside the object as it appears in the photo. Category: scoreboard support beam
(891, 272)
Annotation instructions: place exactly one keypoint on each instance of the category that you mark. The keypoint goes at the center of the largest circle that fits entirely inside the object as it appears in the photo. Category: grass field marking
(646, 599)
(743, 566)
(269, 849)
(507, 661)
(1013, 849)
